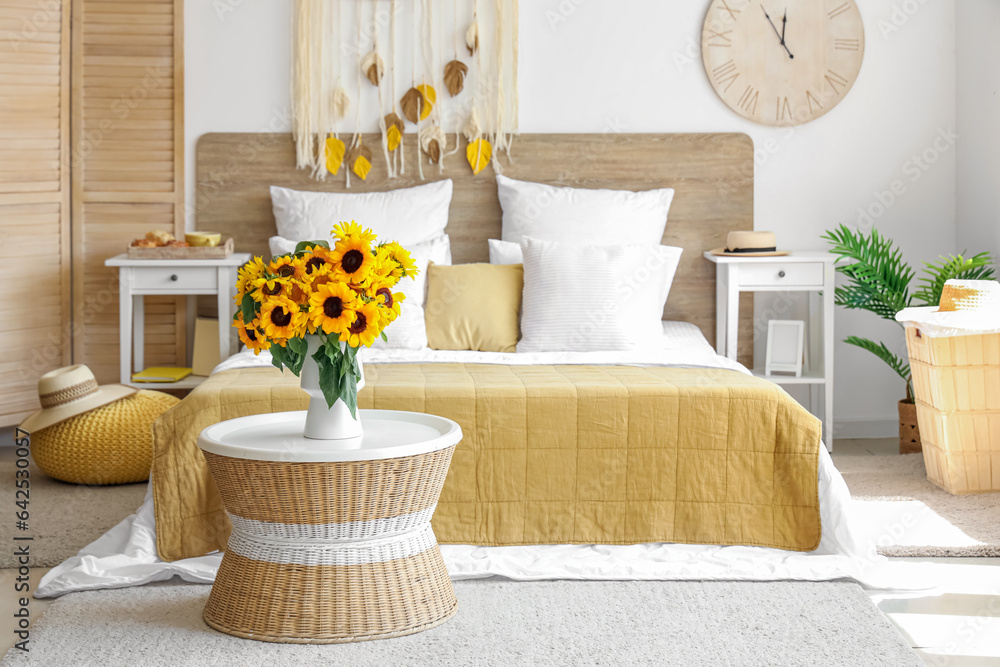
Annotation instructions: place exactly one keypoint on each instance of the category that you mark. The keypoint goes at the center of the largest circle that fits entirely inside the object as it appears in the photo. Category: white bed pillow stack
(415, 217)
(586, 298)
(595, 274)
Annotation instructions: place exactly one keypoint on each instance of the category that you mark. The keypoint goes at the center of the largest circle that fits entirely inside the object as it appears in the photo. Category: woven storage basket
(324, 553)
(957, 383)
(112, 444)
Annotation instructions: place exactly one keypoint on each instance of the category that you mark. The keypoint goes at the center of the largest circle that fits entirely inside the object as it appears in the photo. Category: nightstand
(191, 277)
(811, 272)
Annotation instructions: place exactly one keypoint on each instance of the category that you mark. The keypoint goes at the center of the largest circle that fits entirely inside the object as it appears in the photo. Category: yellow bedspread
(550, 455)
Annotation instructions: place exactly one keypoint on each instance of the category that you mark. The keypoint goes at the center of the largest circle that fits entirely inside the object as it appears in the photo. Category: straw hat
(971, 305)
(70, 391)
(750, 244)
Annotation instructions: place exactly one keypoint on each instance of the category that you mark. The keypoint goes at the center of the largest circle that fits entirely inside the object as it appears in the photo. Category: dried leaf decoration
(417, 103)
(360, 159)
(334, 154)
(341, 103)
(472, 38)
(393, 131)
(454, 76)
(478, 153)
(373, 67)
(411, 105)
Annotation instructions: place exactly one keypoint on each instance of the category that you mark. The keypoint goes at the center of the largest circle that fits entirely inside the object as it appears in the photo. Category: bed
(761, 480)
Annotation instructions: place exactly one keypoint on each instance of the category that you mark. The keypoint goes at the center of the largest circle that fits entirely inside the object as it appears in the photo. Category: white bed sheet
(126, 555)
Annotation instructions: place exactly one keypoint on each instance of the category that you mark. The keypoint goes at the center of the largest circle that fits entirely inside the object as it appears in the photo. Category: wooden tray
(167, 252)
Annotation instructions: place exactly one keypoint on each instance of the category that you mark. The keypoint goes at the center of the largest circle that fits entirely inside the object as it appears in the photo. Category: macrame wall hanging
(458, 78)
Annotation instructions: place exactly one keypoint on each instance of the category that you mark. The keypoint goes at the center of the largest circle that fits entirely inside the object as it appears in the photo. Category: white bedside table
(158, 277)
(811, 272)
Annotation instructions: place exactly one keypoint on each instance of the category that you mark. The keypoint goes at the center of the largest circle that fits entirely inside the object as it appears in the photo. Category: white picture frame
(785, 346)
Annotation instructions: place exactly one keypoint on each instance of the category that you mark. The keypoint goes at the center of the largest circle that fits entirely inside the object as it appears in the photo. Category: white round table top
(388, 434)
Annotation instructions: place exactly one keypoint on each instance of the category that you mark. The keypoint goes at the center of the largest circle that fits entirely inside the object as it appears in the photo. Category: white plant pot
(323, 422)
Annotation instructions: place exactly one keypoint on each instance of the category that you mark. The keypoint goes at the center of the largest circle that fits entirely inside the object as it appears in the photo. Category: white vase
(322, 421)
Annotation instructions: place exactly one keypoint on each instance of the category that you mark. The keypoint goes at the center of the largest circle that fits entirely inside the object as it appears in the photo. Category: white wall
(978, 173)
(603, 65)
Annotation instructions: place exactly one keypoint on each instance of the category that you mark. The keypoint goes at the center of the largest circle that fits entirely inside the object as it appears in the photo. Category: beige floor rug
(503, 623)
(912, 517)
(64, 518)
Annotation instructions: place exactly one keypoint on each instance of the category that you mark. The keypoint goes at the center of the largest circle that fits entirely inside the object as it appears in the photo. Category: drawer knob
(781, 274)
(174, 276)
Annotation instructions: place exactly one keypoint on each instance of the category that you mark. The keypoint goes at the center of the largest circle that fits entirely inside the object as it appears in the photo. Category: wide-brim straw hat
(750, 244)
(971, 306)
(70, 391)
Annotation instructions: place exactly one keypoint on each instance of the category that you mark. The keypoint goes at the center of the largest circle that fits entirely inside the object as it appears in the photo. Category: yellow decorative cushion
(112, 444)
(474, 306)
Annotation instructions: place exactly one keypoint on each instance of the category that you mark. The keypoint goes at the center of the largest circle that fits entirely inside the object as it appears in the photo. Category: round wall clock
(782, 62)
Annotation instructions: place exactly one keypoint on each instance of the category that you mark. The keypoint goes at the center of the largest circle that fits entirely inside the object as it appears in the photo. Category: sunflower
(314, 259)
(365, 326)
(250, 272)
(352, 260)
(287, 266)
(319, 277)
(405, 266)
(265, 287)
(389, 302)
(332, 307)
(251, 336)
(352, 231)
(281, 318)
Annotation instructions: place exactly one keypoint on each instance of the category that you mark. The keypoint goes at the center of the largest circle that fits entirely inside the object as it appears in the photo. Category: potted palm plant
(878, 280)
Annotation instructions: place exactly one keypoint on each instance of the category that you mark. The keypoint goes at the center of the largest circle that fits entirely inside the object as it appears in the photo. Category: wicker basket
(112, 444)
(957, 383)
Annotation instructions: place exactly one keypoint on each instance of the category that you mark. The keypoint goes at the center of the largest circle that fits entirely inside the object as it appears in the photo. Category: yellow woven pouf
(112, 444)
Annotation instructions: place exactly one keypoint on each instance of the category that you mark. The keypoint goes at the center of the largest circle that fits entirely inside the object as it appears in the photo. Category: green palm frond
(948, 267)
(880, 279)
(895, 362)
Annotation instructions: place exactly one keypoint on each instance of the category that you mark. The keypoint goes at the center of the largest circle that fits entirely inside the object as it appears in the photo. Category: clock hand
(784, 21)
(777, 34)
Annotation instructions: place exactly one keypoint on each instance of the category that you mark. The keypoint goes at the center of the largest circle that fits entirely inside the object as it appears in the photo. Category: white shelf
(190, 382)
(811, 377)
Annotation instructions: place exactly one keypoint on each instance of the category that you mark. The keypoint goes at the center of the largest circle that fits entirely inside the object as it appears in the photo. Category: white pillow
(408, 215)
(583, 298)
(505, 252)
(580, 215)
(409, 331)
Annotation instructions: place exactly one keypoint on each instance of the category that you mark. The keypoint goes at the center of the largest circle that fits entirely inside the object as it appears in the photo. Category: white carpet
(502, 623)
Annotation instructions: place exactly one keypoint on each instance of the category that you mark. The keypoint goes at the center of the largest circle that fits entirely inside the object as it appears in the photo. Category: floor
(958, 625)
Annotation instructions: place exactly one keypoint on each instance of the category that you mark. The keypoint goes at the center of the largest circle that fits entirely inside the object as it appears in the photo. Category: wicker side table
(330, 546)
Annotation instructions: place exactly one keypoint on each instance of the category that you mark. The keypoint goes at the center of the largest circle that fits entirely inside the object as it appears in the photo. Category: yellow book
(161, 374)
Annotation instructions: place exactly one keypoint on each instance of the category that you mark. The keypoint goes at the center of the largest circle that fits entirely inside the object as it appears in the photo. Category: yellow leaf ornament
(478, 153)
(335, 150)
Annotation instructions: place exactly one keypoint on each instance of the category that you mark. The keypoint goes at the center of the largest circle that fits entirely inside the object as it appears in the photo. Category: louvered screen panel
(129, 132)
(35, 327)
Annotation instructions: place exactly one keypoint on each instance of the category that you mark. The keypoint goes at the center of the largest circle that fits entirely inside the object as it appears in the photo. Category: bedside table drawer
(167, 279)
(807, 274)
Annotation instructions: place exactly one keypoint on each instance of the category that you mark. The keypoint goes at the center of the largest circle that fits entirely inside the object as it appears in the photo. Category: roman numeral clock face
(782, 62)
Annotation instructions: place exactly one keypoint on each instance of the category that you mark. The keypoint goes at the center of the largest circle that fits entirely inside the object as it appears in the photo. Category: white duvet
(126, 555)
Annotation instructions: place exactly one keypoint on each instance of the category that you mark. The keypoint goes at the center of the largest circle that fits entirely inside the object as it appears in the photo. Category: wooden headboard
(712, 175)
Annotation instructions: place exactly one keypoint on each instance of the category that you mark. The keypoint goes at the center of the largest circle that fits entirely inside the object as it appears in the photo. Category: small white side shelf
(799, 271)
(191, 277)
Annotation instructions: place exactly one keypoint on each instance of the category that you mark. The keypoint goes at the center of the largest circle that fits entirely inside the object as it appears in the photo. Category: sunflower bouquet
(343, 296)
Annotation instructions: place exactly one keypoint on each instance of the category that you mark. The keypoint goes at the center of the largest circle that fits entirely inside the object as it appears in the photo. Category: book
(161, 374)
(206, 346)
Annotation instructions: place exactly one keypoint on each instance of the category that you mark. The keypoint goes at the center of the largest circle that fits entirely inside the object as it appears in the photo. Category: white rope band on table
(338, 544)
(339, 553)
(348, 530)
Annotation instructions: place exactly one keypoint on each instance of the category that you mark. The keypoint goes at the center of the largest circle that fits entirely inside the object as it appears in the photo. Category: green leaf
(952, 267)
(384, 337)
(349, 393)
(879, 278)
(249, 309)
(298, 345)
(329, 379)
(277, 356)
(895, 362)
